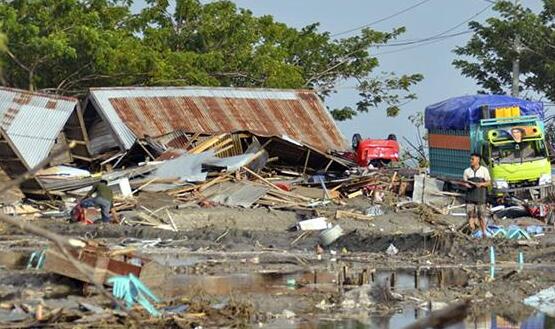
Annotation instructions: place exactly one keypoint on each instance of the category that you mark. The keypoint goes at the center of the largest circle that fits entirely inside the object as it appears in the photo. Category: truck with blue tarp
(507, 132)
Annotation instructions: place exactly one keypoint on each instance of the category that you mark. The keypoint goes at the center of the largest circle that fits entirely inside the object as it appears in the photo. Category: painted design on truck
(508, 132)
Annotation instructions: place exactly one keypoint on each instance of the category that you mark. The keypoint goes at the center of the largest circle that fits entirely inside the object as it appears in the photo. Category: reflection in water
(535, 321)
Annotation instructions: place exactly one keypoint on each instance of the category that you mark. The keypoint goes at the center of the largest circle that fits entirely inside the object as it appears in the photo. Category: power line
(423, 43)
(381, 19)
(440, 36)
(416, 41)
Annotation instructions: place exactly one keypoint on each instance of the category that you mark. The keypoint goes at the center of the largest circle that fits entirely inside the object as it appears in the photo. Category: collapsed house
(33, 126)
(121, 115)
(186, 141)
(116, 117)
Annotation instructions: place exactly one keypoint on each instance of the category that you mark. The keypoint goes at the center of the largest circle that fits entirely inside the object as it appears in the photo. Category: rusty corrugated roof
(32, 121)
(155, 111)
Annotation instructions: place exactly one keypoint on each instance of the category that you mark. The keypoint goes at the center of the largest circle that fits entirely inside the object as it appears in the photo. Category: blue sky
(441, 79)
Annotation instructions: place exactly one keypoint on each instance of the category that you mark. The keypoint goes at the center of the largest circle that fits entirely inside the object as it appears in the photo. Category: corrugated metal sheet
(33, 121)
(155, 111)
(242, 194)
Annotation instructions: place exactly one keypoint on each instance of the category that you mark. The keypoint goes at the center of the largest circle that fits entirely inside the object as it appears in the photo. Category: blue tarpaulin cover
(460, 112)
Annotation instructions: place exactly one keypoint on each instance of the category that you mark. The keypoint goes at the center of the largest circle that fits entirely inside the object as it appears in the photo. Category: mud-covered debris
(15, 314)
(392, 250)
(375, 210)
(288, 314)
(330, 235)
(314, 224)
(543, 301)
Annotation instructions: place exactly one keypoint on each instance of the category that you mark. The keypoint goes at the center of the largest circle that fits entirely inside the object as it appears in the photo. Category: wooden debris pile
(104, 263)
(232, 169)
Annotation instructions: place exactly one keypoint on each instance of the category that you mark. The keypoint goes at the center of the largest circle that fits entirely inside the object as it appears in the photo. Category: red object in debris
(284, 186)
(375, 151)
(78, 215)
(538, 211)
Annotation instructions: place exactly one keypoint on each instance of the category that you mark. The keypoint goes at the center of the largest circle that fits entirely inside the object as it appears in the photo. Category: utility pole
(516, 63)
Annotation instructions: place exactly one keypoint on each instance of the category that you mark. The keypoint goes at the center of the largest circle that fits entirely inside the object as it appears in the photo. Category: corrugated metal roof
(32, 121)
(155, 111)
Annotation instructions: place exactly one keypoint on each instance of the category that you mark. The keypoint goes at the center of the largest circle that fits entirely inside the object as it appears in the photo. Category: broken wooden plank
(147, 218)
(217, 180)
(122, 251)
(267, 182)
(171, 220)
(438, 210)
(144, 185)
(527, 243)
(354, 194)
(100, 266)
(207, 144)
(444, 317)
(392, 181)
(343, 214)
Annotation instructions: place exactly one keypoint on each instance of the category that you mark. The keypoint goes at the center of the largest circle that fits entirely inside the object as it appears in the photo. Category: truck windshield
(518, 152)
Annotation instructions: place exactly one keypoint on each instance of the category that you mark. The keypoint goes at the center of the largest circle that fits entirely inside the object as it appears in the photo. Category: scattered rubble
(244, 210)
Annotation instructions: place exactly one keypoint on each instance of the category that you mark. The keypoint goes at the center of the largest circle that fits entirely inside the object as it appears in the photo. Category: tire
(356, 140)
(392, 137)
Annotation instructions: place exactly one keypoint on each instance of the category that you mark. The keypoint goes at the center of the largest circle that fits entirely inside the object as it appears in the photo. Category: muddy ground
(245, 268)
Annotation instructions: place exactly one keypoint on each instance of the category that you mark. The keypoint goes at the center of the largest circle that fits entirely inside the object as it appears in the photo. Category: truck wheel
(356, 140)
(392, 137)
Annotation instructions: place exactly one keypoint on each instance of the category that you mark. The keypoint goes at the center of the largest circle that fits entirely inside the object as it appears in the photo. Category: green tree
(489, 54)
(2, 42)
(66, 46)
(218, 44)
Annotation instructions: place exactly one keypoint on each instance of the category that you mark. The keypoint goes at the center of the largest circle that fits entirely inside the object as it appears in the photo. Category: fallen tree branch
(444, 317)
(32, 172)
(60, 241)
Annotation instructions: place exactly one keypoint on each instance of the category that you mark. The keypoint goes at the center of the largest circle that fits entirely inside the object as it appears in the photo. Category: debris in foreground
(444, 317)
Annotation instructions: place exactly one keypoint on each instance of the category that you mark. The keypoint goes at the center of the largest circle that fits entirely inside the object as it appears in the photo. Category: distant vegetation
(66, 46)
(489, 54)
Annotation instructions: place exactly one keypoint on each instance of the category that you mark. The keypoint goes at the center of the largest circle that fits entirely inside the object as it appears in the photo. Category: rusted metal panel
(33, 121)
(155, 111)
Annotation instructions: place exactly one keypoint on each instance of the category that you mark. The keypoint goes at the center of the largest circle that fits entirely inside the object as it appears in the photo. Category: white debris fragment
(392, 250)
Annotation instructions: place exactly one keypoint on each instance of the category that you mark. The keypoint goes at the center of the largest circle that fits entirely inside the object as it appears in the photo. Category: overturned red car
(375, 152)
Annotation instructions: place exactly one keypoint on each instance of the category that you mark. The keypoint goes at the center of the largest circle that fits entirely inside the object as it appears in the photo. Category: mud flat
(243, 268)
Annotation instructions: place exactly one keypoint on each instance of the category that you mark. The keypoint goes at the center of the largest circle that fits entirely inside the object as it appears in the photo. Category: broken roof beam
(302, 156)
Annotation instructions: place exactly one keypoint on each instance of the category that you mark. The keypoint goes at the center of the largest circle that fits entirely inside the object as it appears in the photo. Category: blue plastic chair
(514, 233)
(131, 290)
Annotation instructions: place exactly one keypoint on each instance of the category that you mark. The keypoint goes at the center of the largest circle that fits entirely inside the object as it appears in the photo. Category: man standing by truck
(477, 180)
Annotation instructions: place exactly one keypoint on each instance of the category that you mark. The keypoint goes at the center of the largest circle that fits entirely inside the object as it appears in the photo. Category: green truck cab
(508, 132)
(514, 164)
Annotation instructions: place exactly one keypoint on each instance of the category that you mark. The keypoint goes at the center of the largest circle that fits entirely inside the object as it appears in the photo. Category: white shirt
(482, 172)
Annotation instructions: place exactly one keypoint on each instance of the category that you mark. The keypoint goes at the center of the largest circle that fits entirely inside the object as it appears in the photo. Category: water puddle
(221, 285)
(409, 315)
(302, 281)
(424, 279)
